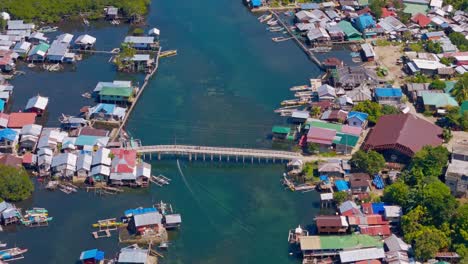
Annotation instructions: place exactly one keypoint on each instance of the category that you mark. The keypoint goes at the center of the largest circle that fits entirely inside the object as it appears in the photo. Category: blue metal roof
(137, 211)
(378, 208)
(388, 92)
(365, 21)
(341, 185)
(256, 3)
(2, 105)
(359, 115)
(92, 254)
(8, 134)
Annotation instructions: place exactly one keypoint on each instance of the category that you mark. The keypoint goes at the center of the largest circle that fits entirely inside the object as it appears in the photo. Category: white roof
(84, 162)
(32, 129)
(326, 196)
(5, 16)
(102, 157)
(300, 114)
(22, 46)
(38, 102)
(151, 218)
(68, 159)
(362, 254)
(143, 169)
(326, 89)
(139, 40)
(101, 169)
(428, 65)
(133, 255)
(85, 39)
(436, 3)
(65, 38)
(154, 31)
(392, 211)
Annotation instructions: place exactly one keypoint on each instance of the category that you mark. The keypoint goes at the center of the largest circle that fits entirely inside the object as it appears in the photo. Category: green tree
(428, 242)
(437, 84)
(376, 7)
(417, 47)
(15, 184)
(438, 200)
(459, 40)
(371, 162)
(447, 134)
(447, 60)
(315, 111)
(138, 32)
(430, 160)
(459, 225)
(340, 197)
(389, 110)
(373, 109)
(397, 193)
(460, 90)
(434, 47)
(413, 221)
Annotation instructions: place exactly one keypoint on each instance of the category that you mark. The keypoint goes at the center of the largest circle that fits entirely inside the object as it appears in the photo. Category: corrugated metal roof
(362, 254)
(151, 218)
(133, 255)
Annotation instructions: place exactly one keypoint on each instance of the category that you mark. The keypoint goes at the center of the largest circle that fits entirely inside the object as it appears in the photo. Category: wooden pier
(301, 45)
(140, 92)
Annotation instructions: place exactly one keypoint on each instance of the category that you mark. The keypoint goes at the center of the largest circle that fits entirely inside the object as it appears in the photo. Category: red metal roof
(371, 219)
(421, 19)
(5, 57)
(377, 230)
(387, 13)
(27, 158)
(371, 261)
(328, 221)
(89, 131)
(321, 135)
(405, 133)
(18, 120)
(125, 160)
(367, 208)
(351, 130)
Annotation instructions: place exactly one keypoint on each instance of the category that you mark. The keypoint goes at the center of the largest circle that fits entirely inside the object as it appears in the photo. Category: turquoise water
(221, 89)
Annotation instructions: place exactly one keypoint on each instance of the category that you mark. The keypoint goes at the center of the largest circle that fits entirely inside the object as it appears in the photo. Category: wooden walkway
(301, 45)
(140, 92)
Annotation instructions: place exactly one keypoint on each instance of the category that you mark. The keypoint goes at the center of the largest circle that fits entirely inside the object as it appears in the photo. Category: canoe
(110, 224)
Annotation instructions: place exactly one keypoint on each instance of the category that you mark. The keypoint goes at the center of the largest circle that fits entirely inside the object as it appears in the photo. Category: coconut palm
(460, 91)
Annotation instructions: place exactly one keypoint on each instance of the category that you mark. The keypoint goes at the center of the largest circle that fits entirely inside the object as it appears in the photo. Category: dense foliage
(15, 184)
(459, 40)
(433, 219)
(433, 47)
(340, 197)
(371, 162)
(437, 84)
(374, 110)
(460, 90)
(54, 10)
(454, 119)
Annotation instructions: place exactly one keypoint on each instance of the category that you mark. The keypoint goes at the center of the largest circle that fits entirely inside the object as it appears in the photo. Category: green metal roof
(326, 125)
(44, 47)
(280, 130)
(413, 9)
(449, 86)
(464, 107)
(439, 100)
(350, 242)
(349, 30)
(345, 139)
(363, 2)
(116, 91)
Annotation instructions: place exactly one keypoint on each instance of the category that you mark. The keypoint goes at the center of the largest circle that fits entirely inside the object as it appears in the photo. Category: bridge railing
(188, 148)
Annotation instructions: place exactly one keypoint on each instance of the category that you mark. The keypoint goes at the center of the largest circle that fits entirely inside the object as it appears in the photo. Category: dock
(309, 53)
(140, 92)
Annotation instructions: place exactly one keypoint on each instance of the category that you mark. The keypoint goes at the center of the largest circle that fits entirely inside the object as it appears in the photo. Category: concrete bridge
(217, 153)
(228, 154)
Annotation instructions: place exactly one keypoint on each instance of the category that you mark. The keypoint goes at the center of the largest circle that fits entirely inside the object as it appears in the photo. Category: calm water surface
(221, 89)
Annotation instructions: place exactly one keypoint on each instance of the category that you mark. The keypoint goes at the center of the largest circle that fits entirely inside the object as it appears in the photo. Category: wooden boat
(48, 29)
(302, 94)
(280, 39)
(275, 29)
(265, 18)
(108, 224)
(285, 109)
(12, 253)
(272, 22)
(164, 208)
(300, 88)
(41, 211)
(3, 244)
(86, 95)
(294, 102)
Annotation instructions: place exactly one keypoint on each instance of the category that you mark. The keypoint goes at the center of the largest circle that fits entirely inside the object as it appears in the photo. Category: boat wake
(213, 197)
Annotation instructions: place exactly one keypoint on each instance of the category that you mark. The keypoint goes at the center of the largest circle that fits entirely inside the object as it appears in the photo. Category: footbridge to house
(204, 153)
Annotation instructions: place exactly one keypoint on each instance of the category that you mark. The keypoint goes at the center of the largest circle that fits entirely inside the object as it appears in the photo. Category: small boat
(276, 29)
(37, 211)
(272, 22)
(302, 94)
(31, 65)
(85, 21)
(108, 224)
(164, 245)
(280, 39)
(48, 29)
(300, 88)
(86, 95)
(12, 253)
(3, 244)
(294, 102)
(267, 17)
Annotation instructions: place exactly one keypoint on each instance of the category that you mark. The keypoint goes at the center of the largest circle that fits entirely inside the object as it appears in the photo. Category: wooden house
(331, 224)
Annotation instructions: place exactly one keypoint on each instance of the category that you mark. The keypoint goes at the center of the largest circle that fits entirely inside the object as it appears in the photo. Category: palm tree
(316, 111)
(460, 91)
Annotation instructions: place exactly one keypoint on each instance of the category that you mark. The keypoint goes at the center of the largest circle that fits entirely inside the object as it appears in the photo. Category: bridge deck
(217, 151)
